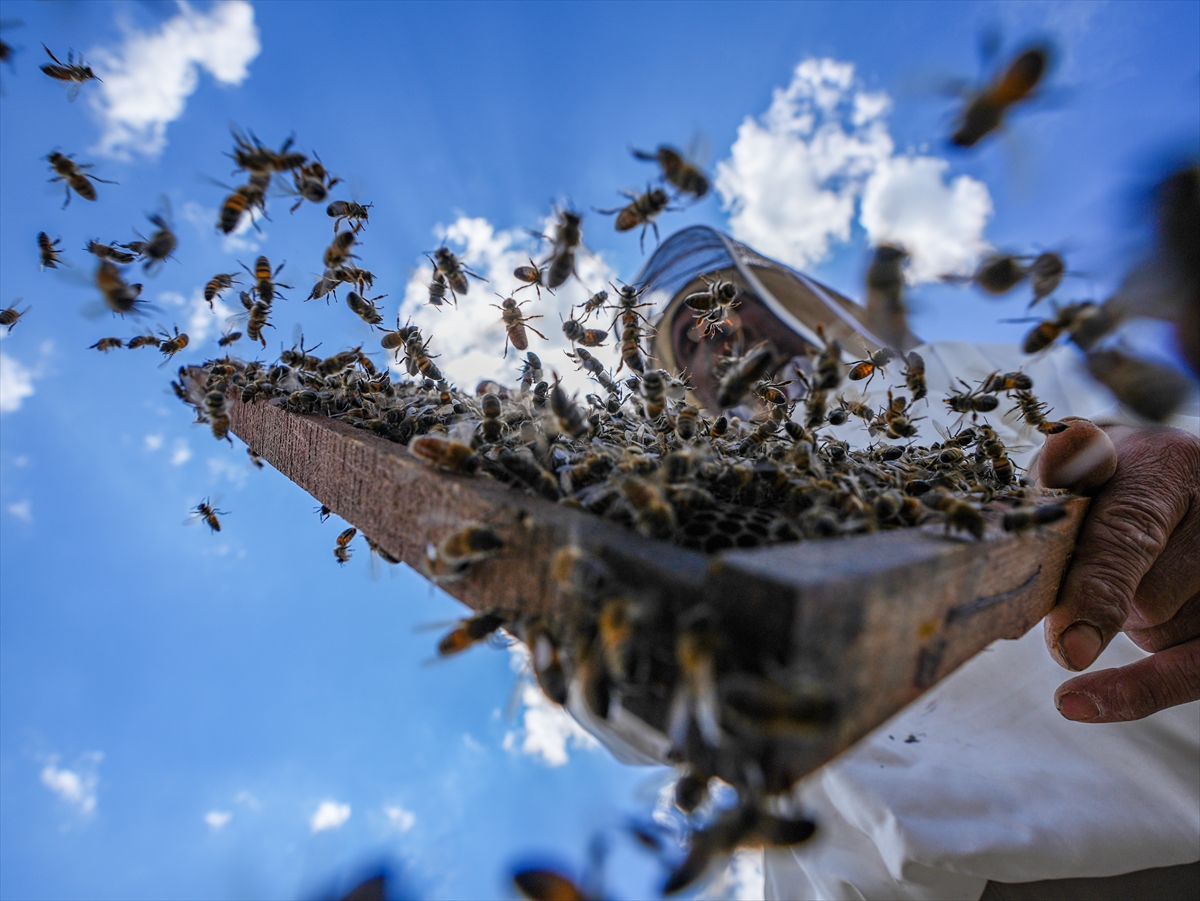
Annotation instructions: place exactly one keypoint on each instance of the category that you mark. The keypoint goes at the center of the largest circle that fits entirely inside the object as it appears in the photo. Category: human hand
(1136, 569)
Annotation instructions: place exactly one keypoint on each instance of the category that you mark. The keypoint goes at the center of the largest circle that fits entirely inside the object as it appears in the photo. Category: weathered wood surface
(874, 619)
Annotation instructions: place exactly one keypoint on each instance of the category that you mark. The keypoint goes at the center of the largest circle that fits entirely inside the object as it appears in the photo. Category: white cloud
(78, 786)
(182, 452)
(152, 442)
(795, 178)
(548, 729)
(218, 819)
(470, 339)
(223, 467)
(907, 202)
(244, 797)
(147, 80)
(16, 383)
(202, 322)
(22, 510)
(398, 818)
(329, 815)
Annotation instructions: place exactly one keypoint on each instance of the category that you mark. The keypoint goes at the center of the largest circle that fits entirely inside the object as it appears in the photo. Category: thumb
(1081, 458)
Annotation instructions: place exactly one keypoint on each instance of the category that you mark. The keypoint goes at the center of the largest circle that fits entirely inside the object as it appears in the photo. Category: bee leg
(657, 239)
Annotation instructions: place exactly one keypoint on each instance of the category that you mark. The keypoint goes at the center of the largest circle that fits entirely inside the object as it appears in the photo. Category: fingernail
(1078, 707)
(1080, 644)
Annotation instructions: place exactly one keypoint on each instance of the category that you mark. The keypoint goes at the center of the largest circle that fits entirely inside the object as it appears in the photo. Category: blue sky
(180, 711)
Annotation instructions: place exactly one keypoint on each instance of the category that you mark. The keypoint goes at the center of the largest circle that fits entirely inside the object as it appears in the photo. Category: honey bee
(547, 664)
(437, 290)
(160, 244)
(540, 884)
(418, 359)
(144, 341)
(344, 539)
(397, 340)
(986, 110)
(342, 554)
(244, 199)
(364, 307)
(642, 210)
(914, 375)
(323, 512)
(686, 176)
(454, 271)
(959, 514)
(653, 515)
(531, 372)
(594, 368)
(228, 338)
(588, 337)
(1024, 518)
(828, 369)
(77, 73)
(898, 423)
(255, 459)
(205, 511)
(687, 420)
(570, 416)
(355, 214)
(107, 344)
(971, 401)
(491, 427)
(1008, 381)
(719, 427)
(470, 632)
(886, 309)
(533, 277)
(264, 279)
(120, 296)
(515, 324)
(173, 344)
(312, 183)
(875, 362)
(444, 453)
(76, 179)
(1000, 273)
(695, 699)
(257, 320)
(338, 251)
(739, 373)
(300, 357)
(712, 305)
(1033, 411)
(49, 251)
(1045, 275)
(562, 266)
(1002, 465)
(450, 559)
(218, 416)
(110, 252)
(218, 283)
(577, 573)
(1150, 389)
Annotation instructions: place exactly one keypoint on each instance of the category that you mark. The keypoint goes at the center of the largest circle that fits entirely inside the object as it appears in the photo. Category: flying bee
(545, 659)
(255, 459)
(1024, 518)
(1000, 273)
(323, 512)
(595, 369)
(49, 251)
(258, 318)
(533, 277)
(444, 453)
(342, 554)
(491, 428)
(119, 296)
(344, 539)
(595, 303)
(205, 511)
(712, 305)
(588, 337)
(985, 111)
(531, 372)
(450, 559)
(437, 290)
(418, 360)
(107, 344)
(454, 271)
(1150, 389)
(77, 73)
(1045, 275)
(471, 631)
(971, 401)
(959, 514)
(739, 373)
(144, 341)
(914, 375)
(338, 251)
(364, 307)
(642, 210)
(244, 199)
(173, 344)
(515, 324)
(684, 175)
(1008, 381)
(300, 357)
(827, 369)
(71, 172)
(312, 183)
(218, 283)
(570, 416)
(355, 214)
(159, 245)
(110, 252)
(653, 515)
(228, 338)
(265, 285)
(875, 362)
(1034, 413)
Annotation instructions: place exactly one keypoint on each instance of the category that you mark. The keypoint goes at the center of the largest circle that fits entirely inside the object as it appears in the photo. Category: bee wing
(72, 92)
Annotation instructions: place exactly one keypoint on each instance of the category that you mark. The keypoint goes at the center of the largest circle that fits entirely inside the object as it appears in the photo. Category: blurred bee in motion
(354, 214)
(255, 460)
(683, 174)
(243, 200)
(450, 559)
(71, 172)
(533, 277)
(120, 296)
(110, 252)
(312, 183)
(144, 341)
(10, 315)
(569, 415)
(6, 49)
(588, 337)
(454, 271)
(222, 281)
(173, 344)
(568, 236)
(437, 290)
(886, 308)
(205, 511)
(1086, 323)
(875, 362)
(258, 316)
(341, 550)
(960, 514)
(470, 632)
(160, 244)
(540, 884)
(323, 512)
(1000, 273)
(1007, 381)
(76, 73)
(914, 375)
(642, 210)
(397, 340)
(1151, 390)
(107, 344)
(1022, 519)
(364, 307)
(265, 285)
(985, 111)
(653, 514)
(739, 373)
(1045, 275)
(49, 251)
(491, 427)
(217, 412)
(444, 453)
(515, 324)
(228, 338)
(712, 305)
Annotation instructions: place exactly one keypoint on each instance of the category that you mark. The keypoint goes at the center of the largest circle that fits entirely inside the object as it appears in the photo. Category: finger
(1125, 531)
(1175, 575)
(1131, 692)
(1081, 458)
(1183, 626)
